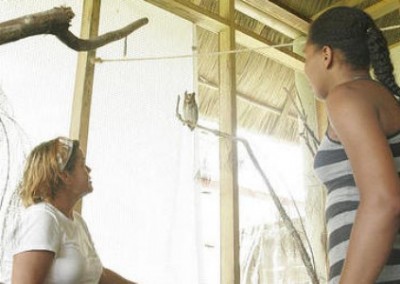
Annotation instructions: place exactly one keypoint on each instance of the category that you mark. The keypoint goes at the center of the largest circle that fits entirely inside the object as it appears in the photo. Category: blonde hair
(41, 177)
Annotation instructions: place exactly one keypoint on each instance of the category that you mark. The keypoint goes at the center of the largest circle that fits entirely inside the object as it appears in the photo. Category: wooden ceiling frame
(300, 25)
(289, 100)
(266, 12)
(382, 8)
(281, 15)
(214, 23)
(285, 18)
(269, 19)
(350, 3)
(248, 99)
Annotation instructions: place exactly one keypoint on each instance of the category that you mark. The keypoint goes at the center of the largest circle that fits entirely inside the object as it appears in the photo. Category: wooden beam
(376, 11)
(260, 45)
(395, 57)
(193, 13)
(267, 19)
(291, 24)
(314, 199)
(290, 98)
(382, 8)
(247, 99)
(215, 23)
(79, 128)
(349, 3)
(229, 202)
(280, 14)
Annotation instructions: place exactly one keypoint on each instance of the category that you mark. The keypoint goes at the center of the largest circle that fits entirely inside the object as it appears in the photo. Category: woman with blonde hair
(53, 244)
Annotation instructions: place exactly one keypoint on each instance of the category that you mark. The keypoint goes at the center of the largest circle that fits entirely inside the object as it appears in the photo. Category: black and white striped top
(333, 168)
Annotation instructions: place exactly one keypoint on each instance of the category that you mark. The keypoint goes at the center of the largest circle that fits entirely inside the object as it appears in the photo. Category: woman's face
(81, 183)
(314, 69)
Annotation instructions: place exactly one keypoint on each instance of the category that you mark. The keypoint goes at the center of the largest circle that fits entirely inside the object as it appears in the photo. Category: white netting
(154, 213)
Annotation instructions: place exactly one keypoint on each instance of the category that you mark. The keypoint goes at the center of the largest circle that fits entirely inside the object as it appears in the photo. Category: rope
(205, 54)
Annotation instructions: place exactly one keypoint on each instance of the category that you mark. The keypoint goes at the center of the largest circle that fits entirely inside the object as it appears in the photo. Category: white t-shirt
(43, 227)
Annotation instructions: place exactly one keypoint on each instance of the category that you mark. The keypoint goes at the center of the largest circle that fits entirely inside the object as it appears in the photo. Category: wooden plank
(247, 99)
(191, 12)
(315, 199)
(262, 46)
(376, 11)
(290, 98)
(229, 202)
(280, 14)
(248, 39)
(267, 19)
(79, 127)
(382, 8)
(395, 57)
(349, 3)
(216, 23)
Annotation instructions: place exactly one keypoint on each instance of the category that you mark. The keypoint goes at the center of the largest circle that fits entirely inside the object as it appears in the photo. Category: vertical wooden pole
(395, 57)
(229, 228)
(316, 120)
(79, 128)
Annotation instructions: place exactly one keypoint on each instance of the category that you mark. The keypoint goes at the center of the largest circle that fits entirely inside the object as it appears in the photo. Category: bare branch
(82, 45)
(57, 21)
(51, 21)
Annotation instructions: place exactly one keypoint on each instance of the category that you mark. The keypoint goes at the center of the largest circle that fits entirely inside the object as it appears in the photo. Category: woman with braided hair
(359, 157)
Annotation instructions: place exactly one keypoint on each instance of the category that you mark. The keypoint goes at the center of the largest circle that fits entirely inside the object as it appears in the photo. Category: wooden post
(316, 120)
(229, 218)
(395, 57)
(79, 128)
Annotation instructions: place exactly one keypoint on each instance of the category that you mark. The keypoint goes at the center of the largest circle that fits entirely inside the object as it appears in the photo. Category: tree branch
(81, 44)
(56, 22)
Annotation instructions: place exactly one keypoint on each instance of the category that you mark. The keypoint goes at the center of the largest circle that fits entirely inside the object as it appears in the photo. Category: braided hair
(353, 32)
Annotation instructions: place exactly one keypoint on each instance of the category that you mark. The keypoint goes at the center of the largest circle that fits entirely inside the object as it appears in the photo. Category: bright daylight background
(154, 212)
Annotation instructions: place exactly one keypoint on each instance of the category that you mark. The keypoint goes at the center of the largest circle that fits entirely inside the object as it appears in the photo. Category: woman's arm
(355, 120)
(110, 277)
(31, 267)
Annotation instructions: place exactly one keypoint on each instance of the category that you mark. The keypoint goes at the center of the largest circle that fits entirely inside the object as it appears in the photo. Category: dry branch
(56, 22)
(282, 212)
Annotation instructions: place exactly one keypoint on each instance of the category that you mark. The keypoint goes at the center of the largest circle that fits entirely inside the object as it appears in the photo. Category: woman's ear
(327, 54)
